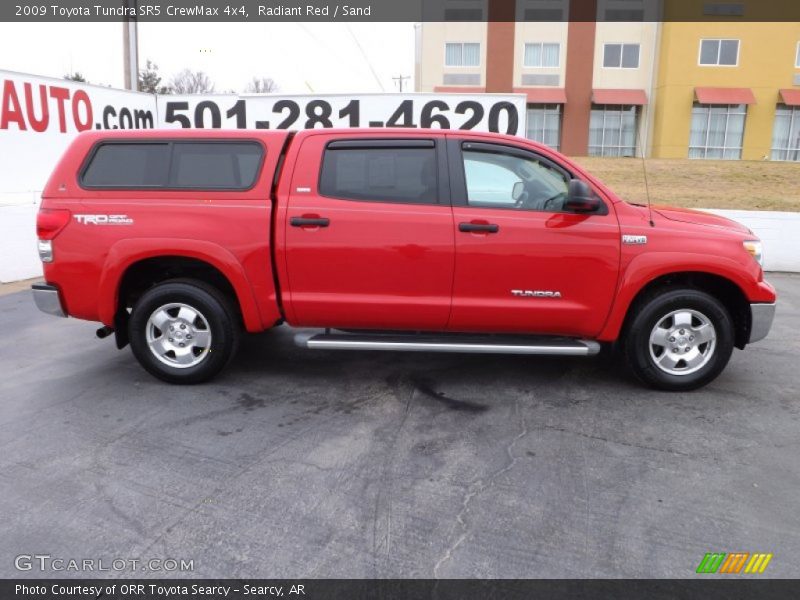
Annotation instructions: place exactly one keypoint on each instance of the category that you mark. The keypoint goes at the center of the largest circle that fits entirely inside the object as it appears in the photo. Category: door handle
(478, 227)
(309, 222)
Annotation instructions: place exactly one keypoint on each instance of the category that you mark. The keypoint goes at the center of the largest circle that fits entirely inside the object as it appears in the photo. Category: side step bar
(488, 344)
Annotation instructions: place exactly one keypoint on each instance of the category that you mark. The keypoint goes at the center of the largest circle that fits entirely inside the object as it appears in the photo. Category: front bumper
(48, 299)
(761, 321)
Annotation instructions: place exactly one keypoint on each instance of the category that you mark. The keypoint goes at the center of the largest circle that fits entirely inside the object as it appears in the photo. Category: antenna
(644, 171)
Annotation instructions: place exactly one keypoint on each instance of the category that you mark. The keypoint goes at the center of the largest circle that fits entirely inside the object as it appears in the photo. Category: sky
(300, 57)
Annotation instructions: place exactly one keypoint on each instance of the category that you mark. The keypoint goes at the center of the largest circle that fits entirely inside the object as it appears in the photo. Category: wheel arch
(728, 292)
(132, 267)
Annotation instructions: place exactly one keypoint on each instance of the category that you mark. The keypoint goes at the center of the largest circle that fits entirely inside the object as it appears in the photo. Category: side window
(215, 165)
(500, 180)
(401, 174)
(128, 166)
(174, 165)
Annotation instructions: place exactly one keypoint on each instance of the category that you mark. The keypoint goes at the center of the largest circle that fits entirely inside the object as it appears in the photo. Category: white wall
(18, 256)
(780, 232)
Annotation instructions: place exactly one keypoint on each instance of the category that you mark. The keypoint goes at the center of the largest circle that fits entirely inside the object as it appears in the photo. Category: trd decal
(104, 219)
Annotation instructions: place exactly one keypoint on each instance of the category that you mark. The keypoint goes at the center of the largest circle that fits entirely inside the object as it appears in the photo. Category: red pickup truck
(396, 239)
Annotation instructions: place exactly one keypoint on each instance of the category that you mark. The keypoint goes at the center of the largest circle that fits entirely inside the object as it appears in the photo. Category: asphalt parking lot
(299, 463)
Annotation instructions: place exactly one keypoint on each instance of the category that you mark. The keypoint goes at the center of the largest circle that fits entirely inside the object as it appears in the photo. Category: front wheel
(183, 331)
(679, 340)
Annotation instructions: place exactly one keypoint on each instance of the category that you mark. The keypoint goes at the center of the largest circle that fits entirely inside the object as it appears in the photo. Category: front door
(523, 263)
(369, 233)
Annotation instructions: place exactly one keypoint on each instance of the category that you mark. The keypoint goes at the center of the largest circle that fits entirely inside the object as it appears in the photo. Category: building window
(621, 56)
(612, 130)
(717, 131)
(541, 55)
(462, 55)
(797, 57)
(786, 134)
(541, 10)
(624, 10)
(724, 53)
(544, 124)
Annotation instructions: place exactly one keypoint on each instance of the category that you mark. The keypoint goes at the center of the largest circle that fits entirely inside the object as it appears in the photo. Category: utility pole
(400, 79)
(130, 48)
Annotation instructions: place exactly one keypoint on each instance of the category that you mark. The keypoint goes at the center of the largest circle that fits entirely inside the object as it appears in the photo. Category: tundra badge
(535, 294)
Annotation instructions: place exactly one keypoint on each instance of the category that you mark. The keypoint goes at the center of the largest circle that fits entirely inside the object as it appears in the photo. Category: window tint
(624, 56)
(174, 165)
(380, 174)
(719, 52)
(128, 165)
(215, 165)
(613, 55)
(728, 52)
(497, 180)
(630, 56)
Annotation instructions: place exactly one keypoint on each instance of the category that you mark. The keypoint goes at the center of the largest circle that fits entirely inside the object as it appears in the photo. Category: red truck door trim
(527, 270)
(377, 264)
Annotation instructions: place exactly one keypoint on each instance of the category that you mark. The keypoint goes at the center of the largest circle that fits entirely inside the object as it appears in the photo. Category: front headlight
(756, 249)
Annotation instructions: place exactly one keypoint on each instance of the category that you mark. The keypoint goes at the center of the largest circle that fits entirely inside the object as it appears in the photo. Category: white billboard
(504, 113)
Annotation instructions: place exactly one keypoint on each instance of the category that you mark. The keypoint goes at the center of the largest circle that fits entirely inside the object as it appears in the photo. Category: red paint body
(379, 265)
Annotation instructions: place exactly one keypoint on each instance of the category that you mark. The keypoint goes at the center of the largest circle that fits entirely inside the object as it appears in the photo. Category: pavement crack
(618, 442)
(479, 486)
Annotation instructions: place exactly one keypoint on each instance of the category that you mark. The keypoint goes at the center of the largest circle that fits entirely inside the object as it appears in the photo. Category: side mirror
(517, 190)
(580, 198)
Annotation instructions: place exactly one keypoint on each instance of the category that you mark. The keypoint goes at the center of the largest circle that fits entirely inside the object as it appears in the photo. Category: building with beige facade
(606, 78)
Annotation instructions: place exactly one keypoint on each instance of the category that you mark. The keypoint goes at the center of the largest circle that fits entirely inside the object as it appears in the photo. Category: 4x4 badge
(634, 239)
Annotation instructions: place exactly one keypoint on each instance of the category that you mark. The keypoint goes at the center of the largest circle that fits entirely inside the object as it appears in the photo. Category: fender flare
(646, 268)
(125, 253)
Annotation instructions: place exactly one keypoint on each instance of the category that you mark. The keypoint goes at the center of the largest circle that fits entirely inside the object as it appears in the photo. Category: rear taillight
(50, 222)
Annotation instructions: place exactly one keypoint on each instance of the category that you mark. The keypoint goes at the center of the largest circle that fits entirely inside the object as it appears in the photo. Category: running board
(488, 344)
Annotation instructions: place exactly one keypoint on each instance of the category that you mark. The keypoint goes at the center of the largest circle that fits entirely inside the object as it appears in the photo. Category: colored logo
(733, 564)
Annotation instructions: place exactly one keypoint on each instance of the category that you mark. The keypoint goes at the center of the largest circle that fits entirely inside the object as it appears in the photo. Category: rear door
(369, 240)
(523, 263)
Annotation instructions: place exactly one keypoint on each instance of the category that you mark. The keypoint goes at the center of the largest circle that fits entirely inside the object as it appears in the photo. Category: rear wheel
(679, 340)
(183, 331)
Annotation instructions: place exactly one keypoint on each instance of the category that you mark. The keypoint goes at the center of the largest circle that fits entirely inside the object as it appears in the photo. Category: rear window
(400, 174)
(174, 165)
(128, 165)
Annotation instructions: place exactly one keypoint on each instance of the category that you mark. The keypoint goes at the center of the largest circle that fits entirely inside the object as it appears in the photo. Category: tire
(692, 354)
(204, 321)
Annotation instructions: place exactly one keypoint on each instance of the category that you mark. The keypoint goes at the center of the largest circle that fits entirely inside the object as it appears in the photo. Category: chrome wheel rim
(682, 342)
(178, 335)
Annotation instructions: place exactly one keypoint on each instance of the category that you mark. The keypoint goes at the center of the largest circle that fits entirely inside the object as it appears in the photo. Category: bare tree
(261, 85)
(191, 82)
(76, 76)
(150, 80)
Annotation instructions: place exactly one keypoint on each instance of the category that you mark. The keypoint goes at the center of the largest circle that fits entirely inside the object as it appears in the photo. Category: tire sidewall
(220, 323)
(655, 309)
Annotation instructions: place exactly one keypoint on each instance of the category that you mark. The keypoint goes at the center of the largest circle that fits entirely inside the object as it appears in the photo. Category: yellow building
(727, 90)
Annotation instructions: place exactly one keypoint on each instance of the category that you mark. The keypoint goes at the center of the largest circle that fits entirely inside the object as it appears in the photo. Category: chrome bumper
(761, 321)
(48, 299)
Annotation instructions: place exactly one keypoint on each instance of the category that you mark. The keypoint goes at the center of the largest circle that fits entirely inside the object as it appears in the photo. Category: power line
(400, 79)
(366, 59)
